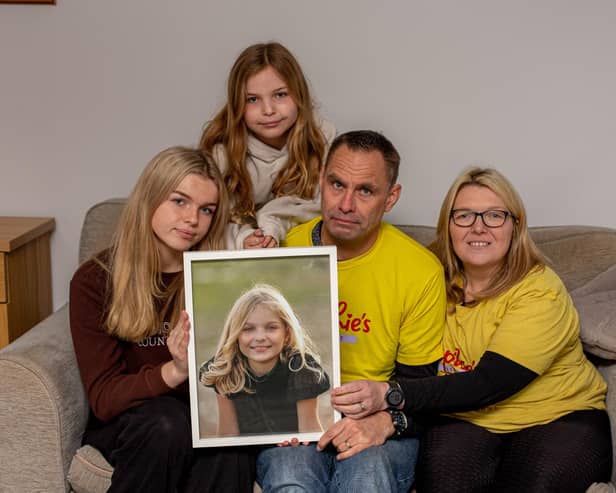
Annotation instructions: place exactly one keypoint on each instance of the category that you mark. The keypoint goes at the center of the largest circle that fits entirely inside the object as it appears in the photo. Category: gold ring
(361, 406)
(348, 445)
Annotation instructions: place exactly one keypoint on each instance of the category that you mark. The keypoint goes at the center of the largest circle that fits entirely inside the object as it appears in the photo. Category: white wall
(91, 90)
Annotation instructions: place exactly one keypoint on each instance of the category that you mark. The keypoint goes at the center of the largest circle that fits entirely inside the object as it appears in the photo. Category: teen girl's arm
(109, 386)
(175, 372)
(308, 416)
(227, 417)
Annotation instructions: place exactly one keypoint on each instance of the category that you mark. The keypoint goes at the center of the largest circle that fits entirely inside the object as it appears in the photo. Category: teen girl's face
(262, 339)
(183, 219)
(270, 111)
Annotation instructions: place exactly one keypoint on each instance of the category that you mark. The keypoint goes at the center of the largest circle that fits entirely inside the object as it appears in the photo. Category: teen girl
(265, 371)
(122, 304)
(269, 146)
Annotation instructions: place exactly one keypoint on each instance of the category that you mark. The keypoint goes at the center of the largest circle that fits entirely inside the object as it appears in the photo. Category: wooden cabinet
(25, 274)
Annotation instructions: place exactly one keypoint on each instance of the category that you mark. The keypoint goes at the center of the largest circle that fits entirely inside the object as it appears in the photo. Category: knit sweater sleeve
(112, 382)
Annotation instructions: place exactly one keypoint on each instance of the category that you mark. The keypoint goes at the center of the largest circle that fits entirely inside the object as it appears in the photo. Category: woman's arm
(227, 417)
(494, 379)
(307, 416)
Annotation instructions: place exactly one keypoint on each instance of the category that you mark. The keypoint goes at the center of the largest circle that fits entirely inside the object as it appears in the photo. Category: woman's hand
(359, 398)
(175, 372)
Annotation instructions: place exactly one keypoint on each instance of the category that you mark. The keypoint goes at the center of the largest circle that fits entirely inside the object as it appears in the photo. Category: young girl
(122, 304)
(265, 370)
(269, 147)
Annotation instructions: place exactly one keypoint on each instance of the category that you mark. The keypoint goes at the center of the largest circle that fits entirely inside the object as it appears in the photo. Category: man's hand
(351, 436)
(359, 398)
(258, 240)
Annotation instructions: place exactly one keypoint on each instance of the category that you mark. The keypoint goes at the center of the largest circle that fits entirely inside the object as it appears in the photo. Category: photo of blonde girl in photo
(266, 370)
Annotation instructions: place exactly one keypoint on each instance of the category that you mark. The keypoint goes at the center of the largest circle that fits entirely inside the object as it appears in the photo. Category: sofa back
(577, 253)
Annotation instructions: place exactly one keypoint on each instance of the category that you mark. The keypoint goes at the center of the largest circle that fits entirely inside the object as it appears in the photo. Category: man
(392, 312)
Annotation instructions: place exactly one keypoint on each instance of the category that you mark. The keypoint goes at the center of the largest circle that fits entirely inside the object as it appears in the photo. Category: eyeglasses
(492, 219)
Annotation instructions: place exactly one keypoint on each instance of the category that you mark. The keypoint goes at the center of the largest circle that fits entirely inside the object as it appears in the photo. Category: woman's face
(262, 339)
(481, 249)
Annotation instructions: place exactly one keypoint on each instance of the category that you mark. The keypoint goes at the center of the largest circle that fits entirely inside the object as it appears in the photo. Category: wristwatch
(398, 419)
(394, 395)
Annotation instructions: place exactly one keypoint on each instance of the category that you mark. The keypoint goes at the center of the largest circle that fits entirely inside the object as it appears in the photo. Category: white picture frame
(213, 281)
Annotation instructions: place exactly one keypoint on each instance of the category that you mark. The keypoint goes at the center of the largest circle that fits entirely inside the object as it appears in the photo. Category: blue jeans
(385, 468)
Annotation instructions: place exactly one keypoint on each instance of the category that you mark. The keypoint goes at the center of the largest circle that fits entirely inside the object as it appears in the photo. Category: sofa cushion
(596, 305)
(89, 471)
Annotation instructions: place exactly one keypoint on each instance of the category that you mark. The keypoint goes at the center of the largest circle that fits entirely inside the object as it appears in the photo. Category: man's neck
(345, 250)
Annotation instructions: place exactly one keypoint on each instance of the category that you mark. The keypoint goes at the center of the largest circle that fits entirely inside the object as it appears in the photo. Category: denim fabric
(386, 468)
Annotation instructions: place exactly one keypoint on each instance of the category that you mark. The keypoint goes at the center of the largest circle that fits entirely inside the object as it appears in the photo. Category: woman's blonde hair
(306, 143)
(139, 299)
(522, 256)
(227, 371)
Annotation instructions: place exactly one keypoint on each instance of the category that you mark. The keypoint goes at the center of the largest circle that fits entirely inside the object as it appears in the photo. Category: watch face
(394, 396)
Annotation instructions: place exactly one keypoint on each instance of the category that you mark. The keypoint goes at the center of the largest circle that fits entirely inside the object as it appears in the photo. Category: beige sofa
(43, 409)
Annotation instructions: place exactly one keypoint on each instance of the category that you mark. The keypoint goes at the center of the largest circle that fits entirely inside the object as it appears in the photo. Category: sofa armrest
(43, 408)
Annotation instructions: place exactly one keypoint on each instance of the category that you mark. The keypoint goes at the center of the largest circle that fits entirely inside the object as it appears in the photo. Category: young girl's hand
(258, 240)
(175, 372)
(294, 442)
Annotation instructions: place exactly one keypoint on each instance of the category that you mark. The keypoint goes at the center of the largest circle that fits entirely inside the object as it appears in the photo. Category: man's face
(355, 194)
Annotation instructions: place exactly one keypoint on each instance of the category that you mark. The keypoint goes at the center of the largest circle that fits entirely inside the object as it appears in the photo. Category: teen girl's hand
(359, 398)
(258, 240)
(175, 372)
(351, 436)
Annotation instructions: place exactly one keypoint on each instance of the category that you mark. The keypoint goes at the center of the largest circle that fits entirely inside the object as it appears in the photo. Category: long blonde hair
(523, 254)
(306, 143)
(137, 291)
(227, 371)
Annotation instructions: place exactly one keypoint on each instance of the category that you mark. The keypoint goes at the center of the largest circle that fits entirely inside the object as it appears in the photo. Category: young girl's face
(262, 339)
(183, 219)
(270, 111)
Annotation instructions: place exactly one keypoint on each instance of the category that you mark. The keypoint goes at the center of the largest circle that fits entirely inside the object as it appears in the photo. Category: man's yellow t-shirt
(391, 304)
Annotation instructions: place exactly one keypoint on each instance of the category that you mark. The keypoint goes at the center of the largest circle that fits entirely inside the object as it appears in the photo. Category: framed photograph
(50, 2)
(263, 353)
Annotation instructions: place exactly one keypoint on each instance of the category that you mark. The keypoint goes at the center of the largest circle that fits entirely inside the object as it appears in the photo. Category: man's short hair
(367, 141)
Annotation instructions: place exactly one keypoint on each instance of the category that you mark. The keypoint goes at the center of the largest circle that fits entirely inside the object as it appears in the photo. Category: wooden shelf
(25, 274)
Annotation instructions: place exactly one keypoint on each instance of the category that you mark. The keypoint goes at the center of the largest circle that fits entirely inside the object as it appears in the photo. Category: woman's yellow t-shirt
(536, 325)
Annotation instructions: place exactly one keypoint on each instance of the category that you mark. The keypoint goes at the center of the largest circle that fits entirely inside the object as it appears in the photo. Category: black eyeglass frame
(480, 214)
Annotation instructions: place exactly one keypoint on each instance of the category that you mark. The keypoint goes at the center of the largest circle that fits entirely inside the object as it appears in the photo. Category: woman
(123, 303)
(525, 410)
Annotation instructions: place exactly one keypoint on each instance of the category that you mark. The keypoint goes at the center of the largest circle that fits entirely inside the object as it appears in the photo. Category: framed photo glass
(263, 352)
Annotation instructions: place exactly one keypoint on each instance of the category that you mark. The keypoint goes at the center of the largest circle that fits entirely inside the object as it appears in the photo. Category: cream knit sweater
(275, 215)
